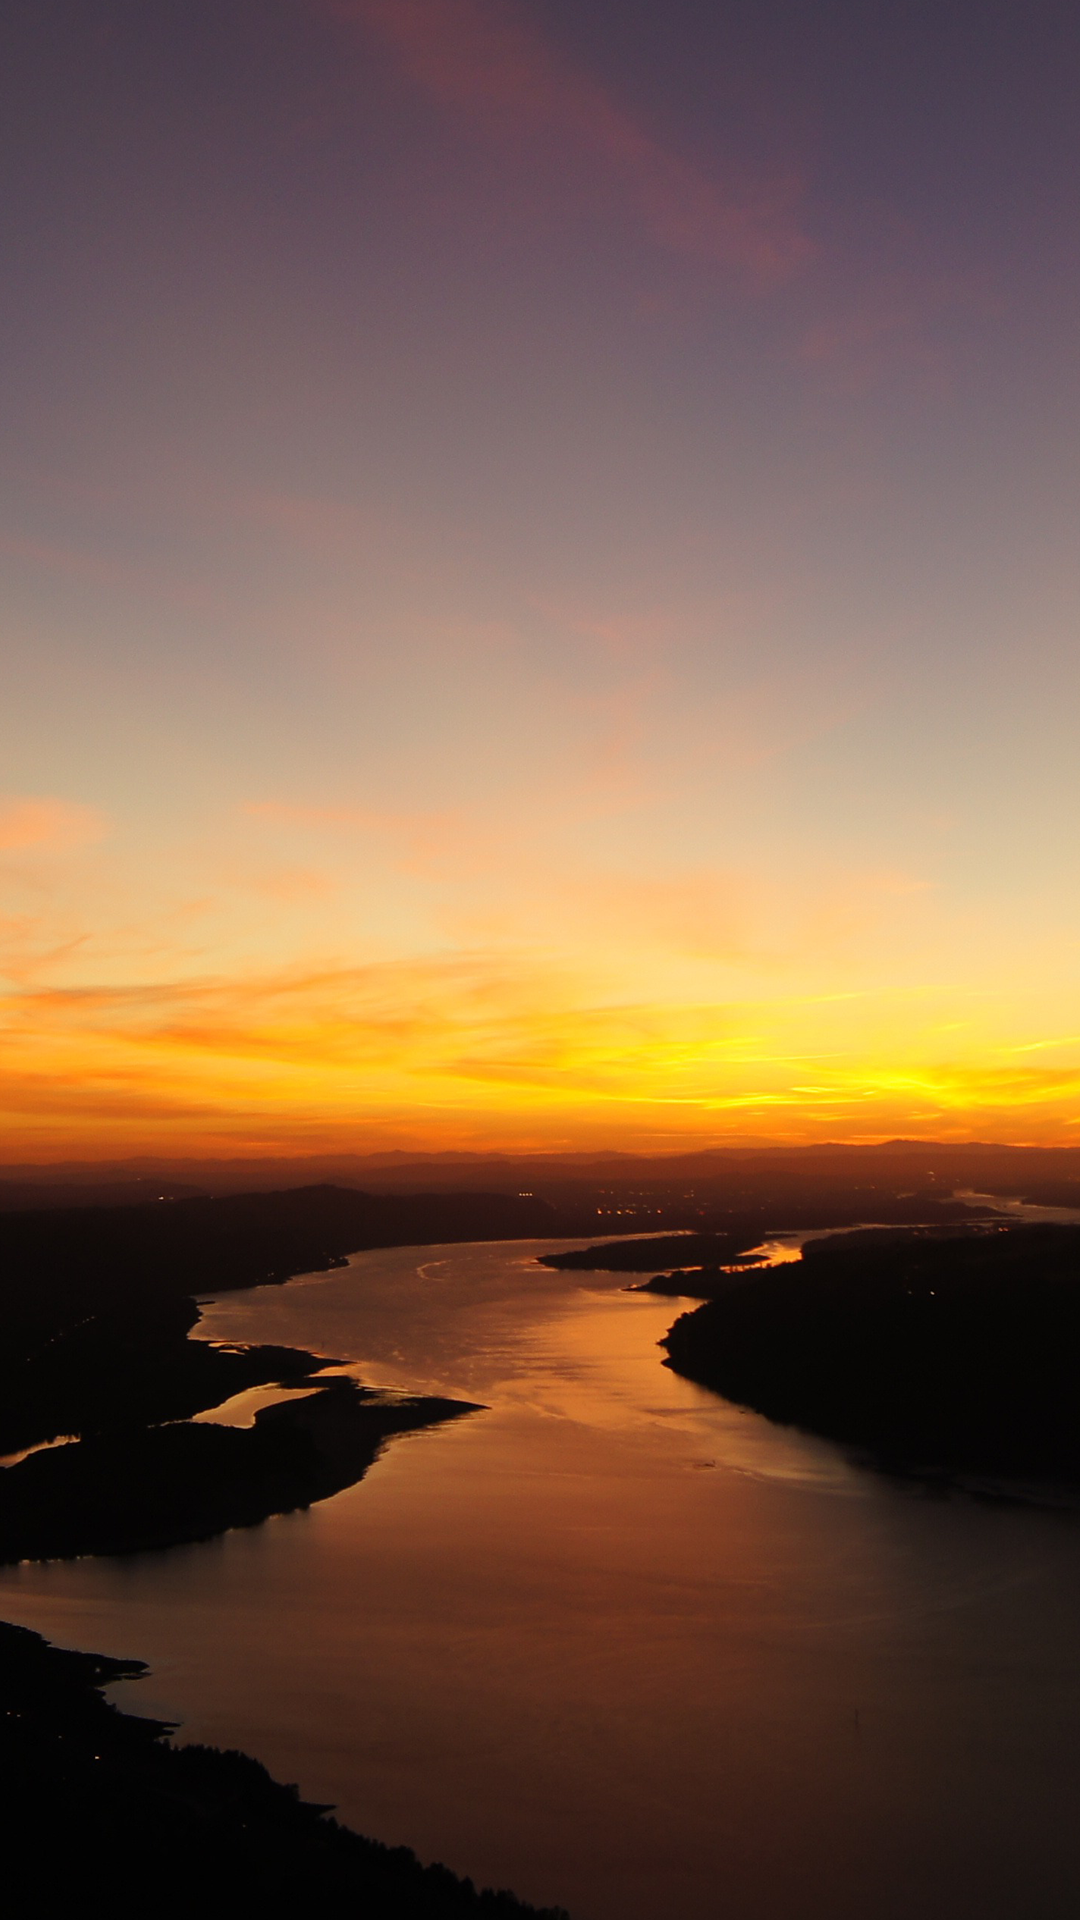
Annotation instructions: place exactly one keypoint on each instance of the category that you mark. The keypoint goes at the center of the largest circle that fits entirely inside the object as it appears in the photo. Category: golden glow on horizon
(521, 997)
(502, 1050)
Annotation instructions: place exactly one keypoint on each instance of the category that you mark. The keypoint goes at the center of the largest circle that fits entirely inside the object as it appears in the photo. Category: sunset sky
(540, 573)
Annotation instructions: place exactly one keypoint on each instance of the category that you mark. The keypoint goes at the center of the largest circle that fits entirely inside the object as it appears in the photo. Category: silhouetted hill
(940, 1351)
(97, 1804)
(727, 1176)
(624, 1193)
(208, 1244)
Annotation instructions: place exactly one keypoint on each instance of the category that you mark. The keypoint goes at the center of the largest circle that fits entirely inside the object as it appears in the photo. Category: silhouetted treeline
(643, 1256)
(98, 1806)
(935, 1351)
(698, 1283)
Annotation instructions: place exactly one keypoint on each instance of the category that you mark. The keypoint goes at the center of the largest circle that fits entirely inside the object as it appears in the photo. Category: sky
(538, 574)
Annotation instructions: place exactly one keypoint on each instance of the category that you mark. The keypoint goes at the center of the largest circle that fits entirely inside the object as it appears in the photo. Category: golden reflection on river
(612, 1641)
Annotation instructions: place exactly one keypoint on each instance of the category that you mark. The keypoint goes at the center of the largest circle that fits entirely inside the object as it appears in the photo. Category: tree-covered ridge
(95, 1797)
(948, 1351)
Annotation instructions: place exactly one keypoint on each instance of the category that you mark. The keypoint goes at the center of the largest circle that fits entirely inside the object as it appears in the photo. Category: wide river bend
(614, 1642)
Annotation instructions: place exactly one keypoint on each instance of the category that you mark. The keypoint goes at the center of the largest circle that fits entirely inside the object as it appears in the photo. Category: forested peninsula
(941, 1351)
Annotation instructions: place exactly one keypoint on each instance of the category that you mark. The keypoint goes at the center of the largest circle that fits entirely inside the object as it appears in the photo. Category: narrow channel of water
(613, 1641)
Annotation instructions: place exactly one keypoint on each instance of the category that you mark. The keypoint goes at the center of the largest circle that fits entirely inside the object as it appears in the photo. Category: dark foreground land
(98, 1801)
(935, 1351)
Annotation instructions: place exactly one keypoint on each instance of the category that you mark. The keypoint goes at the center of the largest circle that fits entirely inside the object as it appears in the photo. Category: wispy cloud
(898, 324)
(488, 1046)
(489, 60)
(47, 826)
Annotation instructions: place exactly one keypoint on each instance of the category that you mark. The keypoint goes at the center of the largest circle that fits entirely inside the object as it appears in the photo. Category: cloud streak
(475, 1048)
(486, 59)
(47, 826)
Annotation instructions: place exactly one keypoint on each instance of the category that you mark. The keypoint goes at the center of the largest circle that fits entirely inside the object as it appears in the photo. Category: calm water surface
(612, 1641)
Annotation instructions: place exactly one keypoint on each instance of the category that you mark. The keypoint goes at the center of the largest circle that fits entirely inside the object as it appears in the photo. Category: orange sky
(232, 994)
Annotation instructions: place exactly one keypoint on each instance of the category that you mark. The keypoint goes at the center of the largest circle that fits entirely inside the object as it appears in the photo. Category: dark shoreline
(948, 1357)
(88, 1787)
(943, 1355)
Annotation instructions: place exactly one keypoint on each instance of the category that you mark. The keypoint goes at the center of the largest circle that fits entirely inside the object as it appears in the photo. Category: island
(159, 1486)
(697, 1251)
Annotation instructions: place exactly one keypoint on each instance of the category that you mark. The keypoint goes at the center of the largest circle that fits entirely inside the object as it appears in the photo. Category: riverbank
(84, 1783)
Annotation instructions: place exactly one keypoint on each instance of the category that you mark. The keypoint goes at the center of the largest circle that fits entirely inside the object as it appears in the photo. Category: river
(612, 1641)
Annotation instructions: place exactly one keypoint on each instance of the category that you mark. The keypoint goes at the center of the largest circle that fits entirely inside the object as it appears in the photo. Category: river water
(612, 1641)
